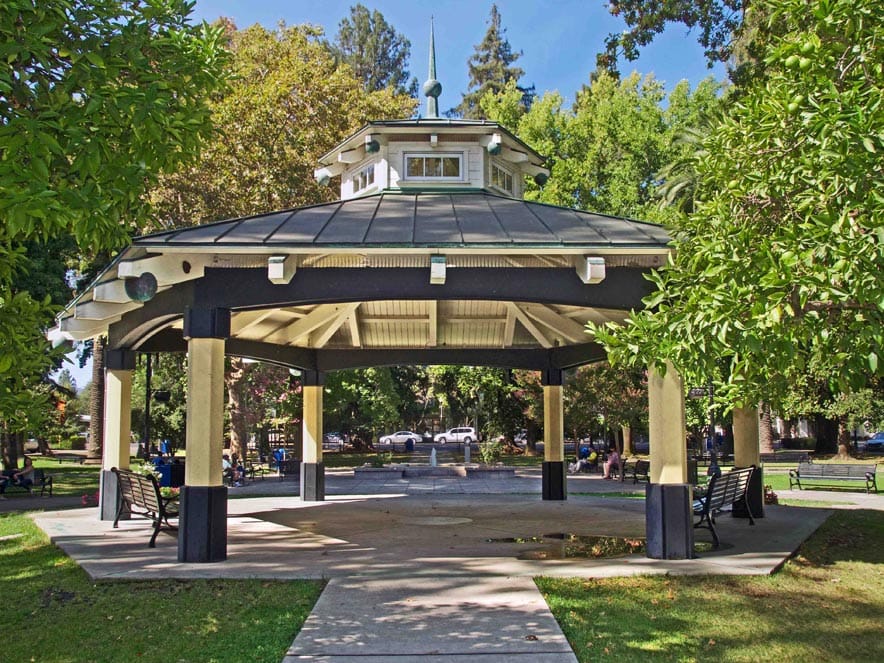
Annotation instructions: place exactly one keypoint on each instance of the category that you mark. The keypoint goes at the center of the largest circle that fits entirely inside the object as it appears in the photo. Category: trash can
(409, 445)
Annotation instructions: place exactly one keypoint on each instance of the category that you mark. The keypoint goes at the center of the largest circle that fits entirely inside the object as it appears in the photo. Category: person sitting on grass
(612, 464)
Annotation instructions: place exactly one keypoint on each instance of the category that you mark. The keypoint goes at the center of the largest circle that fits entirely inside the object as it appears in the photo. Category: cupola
(431, 154)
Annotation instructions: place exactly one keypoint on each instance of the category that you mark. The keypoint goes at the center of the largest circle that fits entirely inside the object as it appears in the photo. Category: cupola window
(502, 179)
(363, 179)
(433, 166)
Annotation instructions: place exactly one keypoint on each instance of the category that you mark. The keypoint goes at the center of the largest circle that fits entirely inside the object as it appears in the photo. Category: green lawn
(53, 612)
(826, 604)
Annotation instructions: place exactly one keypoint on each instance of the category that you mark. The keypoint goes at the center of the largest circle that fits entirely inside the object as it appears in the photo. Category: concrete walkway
(436, 569)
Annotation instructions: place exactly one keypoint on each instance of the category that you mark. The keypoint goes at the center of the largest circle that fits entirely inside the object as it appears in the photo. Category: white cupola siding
(431, 154)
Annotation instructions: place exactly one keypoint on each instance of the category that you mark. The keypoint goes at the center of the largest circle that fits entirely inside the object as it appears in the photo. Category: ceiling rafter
(565, 327)
(526, 321)
(321, 337)
(433, 320)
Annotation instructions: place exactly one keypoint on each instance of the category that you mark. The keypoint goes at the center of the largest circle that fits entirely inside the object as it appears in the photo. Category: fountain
(433, 457)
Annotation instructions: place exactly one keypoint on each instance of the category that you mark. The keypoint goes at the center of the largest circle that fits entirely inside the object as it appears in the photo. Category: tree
(491, 68)
(289, 102)
(362, 403)
(718, 22)
(96, 99)
(374, 50)
(777, 273)
(605, 153)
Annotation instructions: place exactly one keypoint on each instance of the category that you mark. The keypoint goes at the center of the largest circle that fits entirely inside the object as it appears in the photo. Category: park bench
(40, 480)
(816, 472)
(139, 494)
(640, 470)
(722, 492)
(63, 457)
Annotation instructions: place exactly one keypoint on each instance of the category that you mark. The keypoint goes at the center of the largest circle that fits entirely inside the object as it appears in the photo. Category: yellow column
(746, 443)
(205, 411)
(117, 418)
(312, 445)
(667, 426)
(553, 424)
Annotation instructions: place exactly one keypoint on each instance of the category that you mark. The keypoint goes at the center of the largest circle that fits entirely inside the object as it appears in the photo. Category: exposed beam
(565, 327)
(530, 326)
(167, 268)
(510, 329)
(433, 320)
(355, 336)
(291, 333)
(323, 336)
(103, 310)
(243, 320)
(111, 291)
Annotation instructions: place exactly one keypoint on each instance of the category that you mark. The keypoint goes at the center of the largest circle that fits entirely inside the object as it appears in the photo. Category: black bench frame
(139, 494)
(640, 469)
(725, 490)
(63, 457)
(813, 472)
(40, 479)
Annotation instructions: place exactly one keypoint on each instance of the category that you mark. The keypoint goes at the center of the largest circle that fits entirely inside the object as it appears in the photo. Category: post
(119, 367)
(669, 499)
(554, 477)
(312, 469)
(747, 452)
(202, 535)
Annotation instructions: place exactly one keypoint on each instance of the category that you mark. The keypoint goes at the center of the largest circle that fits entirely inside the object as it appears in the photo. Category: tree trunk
(95, 443)
(235, 382)
(626, 431)
(765, 430)
(843, 439)
(531, 438)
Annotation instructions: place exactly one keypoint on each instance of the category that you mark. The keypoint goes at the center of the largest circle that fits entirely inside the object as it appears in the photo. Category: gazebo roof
(419, 220)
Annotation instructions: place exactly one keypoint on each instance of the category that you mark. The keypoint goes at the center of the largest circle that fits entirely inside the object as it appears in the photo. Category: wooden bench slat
(141, 491)
(724, 490)
(815, 472)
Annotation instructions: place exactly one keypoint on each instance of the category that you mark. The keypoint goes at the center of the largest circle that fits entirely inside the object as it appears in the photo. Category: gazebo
(430, 257)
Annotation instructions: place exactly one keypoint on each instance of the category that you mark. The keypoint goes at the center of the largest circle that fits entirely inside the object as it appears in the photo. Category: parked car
(400, 437)
(876, 442)
(462, 434)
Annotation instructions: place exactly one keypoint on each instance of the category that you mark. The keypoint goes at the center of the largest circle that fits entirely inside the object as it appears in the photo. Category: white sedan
(400, 437)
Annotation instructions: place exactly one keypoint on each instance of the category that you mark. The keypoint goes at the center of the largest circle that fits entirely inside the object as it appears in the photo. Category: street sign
(698, 392)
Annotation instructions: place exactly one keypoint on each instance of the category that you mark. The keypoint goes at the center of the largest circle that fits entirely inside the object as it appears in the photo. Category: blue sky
(559, 39)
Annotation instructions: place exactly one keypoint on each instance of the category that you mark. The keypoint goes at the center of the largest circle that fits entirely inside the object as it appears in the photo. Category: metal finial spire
(432, 88)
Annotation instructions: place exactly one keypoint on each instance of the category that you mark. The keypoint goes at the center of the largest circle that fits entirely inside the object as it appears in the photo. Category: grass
(826, 604)
(69, 618)
(67, 478)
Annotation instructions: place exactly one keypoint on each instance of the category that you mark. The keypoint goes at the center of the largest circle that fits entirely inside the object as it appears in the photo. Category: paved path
(436, 570)
(445, 619)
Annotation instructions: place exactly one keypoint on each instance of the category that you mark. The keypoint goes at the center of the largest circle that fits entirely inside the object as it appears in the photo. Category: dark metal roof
(410, 219)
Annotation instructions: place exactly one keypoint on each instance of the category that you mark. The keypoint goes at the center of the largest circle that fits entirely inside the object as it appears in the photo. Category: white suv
(464, 435)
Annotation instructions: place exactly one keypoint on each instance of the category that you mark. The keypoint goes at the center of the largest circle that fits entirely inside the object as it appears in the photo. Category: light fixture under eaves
(437, 270)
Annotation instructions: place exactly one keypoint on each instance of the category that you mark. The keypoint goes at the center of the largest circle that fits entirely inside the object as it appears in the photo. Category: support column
(119, 367)
(668, 505)
(554, 475)
(312, 469)
(747, 452)
(202, 534)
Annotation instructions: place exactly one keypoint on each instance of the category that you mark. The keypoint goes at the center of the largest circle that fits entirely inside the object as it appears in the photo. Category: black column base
(313, 482)
(202, 531)
(754, 495)
(108, 494)
(669, 523)
(555, 481)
